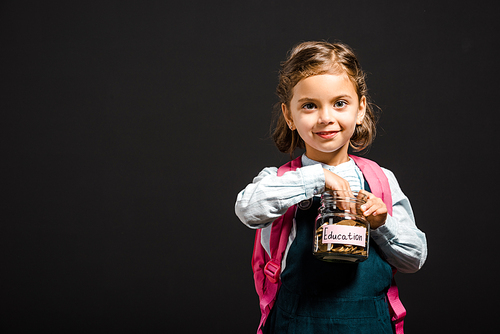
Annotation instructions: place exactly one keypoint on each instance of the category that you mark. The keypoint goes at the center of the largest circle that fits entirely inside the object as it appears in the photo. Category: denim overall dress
(322, 297)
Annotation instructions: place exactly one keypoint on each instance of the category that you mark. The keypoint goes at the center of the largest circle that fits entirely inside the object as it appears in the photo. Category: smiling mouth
(326, 134)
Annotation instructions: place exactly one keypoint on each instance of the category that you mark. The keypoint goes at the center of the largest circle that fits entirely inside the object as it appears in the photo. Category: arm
(403, 244)
(270, 195)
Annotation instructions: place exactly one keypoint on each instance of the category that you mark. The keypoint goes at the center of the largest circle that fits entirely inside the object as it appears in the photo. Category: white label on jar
(347, 235)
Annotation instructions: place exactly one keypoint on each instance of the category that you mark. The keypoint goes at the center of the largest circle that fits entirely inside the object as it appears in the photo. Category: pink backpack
(267, 270)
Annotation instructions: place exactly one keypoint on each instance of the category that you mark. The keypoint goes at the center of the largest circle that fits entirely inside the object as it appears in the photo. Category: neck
(333, 158)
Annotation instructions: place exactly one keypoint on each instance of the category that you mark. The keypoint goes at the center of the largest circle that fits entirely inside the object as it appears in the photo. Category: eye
(309, 106)
(340, 104)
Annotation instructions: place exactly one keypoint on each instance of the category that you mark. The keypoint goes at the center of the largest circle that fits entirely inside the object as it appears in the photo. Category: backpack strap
(377, 180)
(396, 308)
(280, 231)
(267, 270)
(290, 166)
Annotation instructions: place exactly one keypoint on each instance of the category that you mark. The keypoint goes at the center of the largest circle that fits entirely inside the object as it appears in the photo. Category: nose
(326, 116)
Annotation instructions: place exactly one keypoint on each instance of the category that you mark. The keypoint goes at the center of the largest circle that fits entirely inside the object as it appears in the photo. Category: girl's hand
(335, 182)
(374, 209)
(339, 186)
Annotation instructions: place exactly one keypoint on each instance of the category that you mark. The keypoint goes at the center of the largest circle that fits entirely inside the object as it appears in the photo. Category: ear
(361, 110)
(288, 116)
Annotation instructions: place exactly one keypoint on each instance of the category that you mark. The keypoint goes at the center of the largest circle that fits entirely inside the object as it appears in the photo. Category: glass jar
(341, 233)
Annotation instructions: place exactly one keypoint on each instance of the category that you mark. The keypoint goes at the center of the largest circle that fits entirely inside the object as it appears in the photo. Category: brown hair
(314, 58)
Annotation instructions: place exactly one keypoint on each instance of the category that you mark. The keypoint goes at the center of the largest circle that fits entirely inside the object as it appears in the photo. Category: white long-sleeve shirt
(268, 197)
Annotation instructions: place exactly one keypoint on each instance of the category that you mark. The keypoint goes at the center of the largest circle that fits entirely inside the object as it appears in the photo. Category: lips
(326, 134)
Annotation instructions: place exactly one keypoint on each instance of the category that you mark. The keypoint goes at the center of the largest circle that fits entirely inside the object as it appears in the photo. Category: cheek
(348, 120)
(304, 121)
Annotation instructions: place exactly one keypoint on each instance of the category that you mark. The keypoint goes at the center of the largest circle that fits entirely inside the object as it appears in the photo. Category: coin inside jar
(341, 232)
(342, 248)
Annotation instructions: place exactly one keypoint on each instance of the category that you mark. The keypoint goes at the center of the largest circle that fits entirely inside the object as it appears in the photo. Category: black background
(128, 129)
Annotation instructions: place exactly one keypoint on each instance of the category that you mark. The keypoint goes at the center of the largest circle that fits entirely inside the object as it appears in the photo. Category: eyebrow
(313, 99)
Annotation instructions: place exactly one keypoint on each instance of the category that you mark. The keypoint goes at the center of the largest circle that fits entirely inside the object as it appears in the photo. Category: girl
(324, 107)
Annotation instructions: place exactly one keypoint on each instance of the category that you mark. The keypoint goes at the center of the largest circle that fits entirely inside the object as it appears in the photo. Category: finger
(342, 199)
(362, 197)
(350, 202)
(381, 210)
(353, 203)
(375, 208)
(365, 208)
(369, 207)
(342, 194)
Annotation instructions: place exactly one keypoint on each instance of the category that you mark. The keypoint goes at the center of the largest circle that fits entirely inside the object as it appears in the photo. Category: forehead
(324, 85)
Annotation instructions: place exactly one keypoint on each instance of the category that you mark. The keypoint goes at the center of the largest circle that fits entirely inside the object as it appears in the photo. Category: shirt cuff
(313, 178)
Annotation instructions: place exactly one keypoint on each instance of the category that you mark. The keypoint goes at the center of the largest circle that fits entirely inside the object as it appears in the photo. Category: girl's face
(325, 110)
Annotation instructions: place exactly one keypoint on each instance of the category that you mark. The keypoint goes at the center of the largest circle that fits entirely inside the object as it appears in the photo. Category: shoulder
(361, 161)
(388, 173)
(391, 178)
(268, 171)
(393, 182)
(289, 166)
